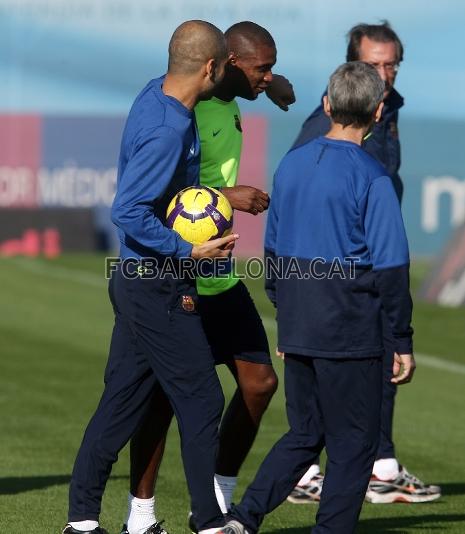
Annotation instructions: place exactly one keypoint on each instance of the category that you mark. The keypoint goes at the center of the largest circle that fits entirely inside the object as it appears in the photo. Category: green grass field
(55, 325)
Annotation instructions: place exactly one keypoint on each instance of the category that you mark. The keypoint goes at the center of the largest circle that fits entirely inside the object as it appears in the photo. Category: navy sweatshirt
(159, 157)
(338, 248)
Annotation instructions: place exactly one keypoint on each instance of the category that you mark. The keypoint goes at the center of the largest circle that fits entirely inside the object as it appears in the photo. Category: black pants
(386, 442)
(386, 448)
(330, 403)
(154, 340)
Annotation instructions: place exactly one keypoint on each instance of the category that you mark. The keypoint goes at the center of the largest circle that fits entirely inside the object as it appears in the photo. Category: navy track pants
(155, 340)
(330, 403)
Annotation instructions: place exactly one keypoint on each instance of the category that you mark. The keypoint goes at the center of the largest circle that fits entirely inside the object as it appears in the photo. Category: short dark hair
(354, 92)
(382, 33)
(245, 36)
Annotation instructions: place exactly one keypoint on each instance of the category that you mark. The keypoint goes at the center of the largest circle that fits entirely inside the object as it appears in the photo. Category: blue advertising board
(72, 68)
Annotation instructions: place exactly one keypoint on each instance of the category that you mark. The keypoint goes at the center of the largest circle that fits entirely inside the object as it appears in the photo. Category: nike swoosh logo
(217, 132)
(192, 150)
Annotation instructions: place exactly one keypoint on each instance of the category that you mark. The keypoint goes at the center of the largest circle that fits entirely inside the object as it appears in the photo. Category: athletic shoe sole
(399, 497)
(302, 500)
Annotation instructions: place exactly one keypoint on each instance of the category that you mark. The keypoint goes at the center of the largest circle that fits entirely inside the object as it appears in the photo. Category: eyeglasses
(388, 67)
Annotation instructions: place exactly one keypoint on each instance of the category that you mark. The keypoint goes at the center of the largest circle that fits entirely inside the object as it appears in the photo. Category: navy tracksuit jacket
(333, 201)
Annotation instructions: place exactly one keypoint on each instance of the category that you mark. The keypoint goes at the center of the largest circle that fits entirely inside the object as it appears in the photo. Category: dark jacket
(333, 204)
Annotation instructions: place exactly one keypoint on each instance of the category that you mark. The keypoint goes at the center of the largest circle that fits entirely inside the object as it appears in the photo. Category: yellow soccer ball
(199, 214)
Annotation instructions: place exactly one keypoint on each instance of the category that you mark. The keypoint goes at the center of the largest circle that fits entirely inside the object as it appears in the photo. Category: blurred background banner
(445, 284)
(70, 70)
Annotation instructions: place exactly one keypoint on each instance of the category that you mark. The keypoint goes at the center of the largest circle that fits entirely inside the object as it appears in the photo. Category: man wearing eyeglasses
(378, 45)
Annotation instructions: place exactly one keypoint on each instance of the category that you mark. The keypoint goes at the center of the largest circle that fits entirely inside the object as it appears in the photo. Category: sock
(386, 468)
(224, 489)
(141, 514)
(312, 471)
(84, 525)
(209, 530)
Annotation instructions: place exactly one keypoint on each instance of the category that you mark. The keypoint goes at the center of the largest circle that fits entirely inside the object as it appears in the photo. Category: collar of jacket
(393, 102)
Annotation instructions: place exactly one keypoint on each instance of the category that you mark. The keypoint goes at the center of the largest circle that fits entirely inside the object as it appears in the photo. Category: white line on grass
(424, 359)
(93, 280)
(440, 363)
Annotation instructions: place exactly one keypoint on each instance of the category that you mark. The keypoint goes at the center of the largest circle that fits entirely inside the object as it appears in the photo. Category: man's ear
(379, 111)
(232, 59)
(210, 69)
(326, 106)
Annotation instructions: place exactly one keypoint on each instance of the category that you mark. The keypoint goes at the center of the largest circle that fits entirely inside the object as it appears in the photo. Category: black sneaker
(70, 530)
(156, 528)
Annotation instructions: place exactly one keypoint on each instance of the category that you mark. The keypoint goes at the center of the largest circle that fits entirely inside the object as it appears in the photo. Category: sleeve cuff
(403, 346)
(184, 249)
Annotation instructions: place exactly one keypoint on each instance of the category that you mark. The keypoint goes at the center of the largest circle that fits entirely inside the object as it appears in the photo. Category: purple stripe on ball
(174, 213)
(214, 196)
(220, 221)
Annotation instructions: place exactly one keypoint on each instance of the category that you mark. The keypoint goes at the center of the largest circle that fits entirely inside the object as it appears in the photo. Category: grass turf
(55, 325)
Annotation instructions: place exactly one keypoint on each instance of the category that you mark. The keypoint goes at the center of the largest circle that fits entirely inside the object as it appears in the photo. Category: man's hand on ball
(216, 248)
(403, 368)
(281, 92)
(247, 198)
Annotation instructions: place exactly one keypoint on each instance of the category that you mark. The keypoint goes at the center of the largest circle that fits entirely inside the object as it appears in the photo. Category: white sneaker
(310, 493)
(404, 488)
